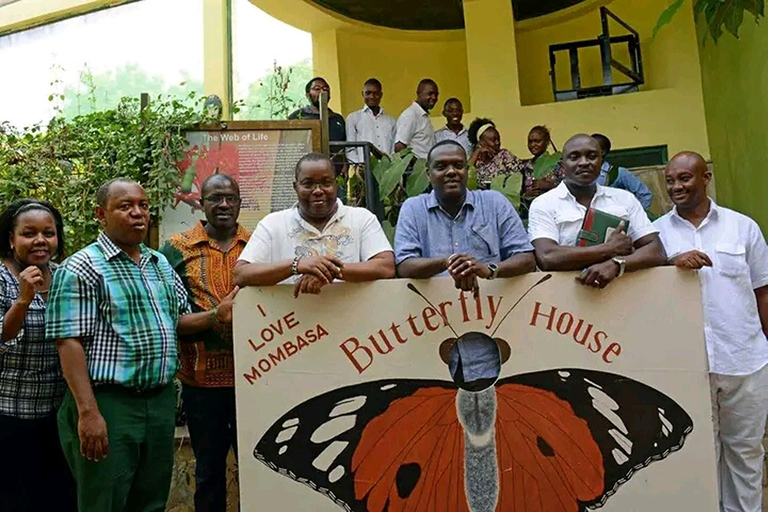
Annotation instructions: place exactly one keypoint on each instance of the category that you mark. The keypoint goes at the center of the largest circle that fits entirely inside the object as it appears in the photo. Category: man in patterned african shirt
(204, 257)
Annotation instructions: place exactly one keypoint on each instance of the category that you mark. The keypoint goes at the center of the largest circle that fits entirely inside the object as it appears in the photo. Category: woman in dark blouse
(33, 474)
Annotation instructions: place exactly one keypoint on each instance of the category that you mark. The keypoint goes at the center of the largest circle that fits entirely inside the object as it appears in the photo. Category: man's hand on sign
(599, 275)
(224, 309)
(692, 260)
(92, 431)
(619, 242)
(308, 283)
(465, 269)
(326, 269)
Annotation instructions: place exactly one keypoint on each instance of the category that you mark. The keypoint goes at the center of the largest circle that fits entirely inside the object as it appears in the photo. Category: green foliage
(66, 161)
(510, 186)
(719, 15)
(278, 93)
(546, 164)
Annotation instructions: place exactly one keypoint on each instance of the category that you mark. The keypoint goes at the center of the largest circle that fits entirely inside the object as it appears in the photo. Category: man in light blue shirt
(464, 234)
(625, 179)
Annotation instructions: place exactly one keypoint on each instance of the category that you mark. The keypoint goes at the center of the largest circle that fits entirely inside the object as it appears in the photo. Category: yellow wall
(400, 63)
(669, 110)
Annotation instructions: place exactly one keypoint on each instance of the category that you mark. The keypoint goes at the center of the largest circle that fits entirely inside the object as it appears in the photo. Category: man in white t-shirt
(318, 240)
(556, 217)
(729, 254)
(414, 128)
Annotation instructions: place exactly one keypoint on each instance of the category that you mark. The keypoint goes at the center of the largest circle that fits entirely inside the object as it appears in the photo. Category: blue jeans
(213, 431)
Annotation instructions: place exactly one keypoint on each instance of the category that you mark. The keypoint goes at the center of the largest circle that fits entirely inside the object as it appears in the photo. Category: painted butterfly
(552, 441)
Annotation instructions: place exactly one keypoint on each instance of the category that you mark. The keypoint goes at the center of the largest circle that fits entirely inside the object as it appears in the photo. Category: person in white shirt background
(556, 217)
(454, 130)
(318, 240)
(414, 128)
(371, 124)
(729, 254)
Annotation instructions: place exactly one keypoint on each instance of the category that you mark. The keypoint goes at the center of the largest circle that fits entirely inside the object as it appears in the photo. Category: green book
(597, 227)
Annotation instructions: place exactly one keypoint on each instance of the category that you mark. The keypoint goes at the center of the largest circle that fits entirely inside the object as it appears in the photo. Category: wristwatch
(494, 271)
(622, 263)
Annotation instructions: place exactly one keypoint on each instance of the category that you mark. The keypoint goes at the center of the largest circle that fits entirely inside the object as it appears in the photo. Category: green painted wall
(735, 82)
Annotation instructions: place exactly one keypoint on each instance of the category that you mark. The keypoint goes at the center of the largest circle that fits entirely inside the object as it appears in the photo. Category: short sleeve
(512, 236)
(757, 256)
(541, 222)
(373, 240)
(639, 223)
(406, 127)
(259, 247)
(73, 306)
(6, 301)
(407, 243)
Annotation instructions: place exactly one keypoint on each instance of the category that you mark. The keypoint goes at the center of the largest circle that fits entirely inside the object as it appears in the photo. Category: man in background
(204, 258)
(370, 123)
(414, 128)
(625, 179)
(453, 111)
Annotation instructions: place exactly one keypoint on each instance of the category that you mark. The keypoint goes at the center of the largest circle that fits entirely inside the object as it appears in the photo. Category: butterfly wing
(571, 437)
(389, 445)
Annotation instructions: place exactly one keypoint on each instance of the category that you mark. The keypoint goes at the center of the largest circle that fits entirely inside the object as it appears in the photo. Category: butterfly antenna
(417, 292)
(543, 279)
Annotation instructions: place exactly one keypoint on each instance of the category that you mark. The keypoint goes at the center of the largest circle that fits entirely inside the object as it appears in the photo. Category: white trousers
(739, 413)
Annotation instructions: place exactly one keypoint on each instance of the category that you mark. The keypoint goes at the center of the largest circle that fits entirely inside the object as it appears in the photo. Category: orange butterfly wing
(411, 457)
(548, 459)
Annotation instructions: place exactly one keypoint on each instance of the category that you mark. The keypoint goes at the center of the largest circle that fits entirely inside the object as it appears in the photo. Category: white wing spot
(282, 450)
(666, 425)
(388, 387)
(606, 406)
(592, 383)
(619, 456)
(286, 435)
(290, 423)
(336, 474)
(624, 443)
(328, 456)
(564, 375)
(348, 406)
(332, 429)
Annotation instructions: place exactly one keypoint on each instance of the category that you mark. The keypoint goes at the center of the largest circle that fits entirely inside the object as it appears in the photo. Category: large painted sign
(538, 394)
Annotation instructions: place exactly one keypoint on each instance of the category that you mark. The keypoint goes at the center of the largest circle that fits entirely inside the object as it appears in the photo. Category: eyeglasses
(218, 199)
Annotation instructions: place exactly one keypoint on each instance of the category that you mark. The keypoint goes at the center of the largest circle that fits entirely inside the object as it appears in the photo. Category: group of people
(481, 140)
(90, 347)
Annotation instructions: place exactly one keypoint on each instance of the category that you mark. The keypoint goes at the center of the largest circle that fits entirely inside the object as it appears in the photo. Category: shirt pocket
(731, 260)
(481, 242)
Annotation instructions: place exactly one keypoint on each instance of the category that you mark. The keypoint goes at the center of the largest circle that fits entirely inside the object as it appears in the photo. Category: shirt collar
(461, 132)
(714, 212)
(341, 211)
(432, 202)
(420, 110)
(563, 192)
(111, 250)
(199, 235)
(366, 108)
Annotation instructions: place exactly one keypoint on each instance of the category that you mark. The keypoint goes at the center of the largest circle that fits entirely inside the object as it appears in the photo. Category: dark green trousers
(136, 475)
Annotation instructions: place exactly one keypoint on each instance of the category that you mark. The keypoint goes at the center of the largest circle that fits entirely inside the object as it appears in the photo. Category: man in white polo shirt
(318, 240)
(556, 217)
(414, 129)
(371, 124)
(729, 253)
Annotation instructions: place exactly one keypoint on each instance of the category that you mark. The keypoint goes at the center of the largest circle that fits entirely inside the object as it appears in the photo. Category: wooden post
(325, 146)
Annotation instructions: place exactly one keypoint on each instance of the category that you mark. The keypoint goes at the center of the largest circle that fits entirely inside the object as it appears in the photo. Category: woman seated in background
(539, 140)
(34, 475)
(488, 157)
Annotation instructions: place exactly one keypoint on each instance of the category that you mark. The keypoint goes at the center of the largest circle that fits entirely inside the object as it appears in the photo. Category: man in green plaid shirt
(115, 308)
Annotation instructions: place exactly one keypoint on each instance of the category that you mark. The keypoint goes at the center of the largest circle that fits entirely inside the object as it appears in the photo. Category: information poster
(539, 394)
(261, 156)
